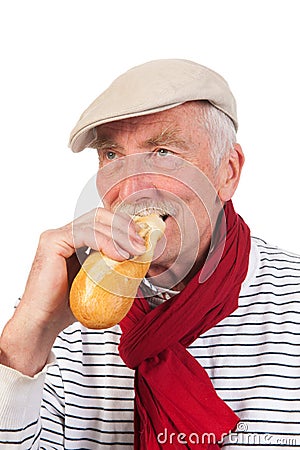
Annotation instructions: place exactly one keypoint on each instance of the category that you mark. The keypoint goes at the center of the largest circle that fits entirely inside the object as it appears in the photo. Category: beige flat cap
(152, 87)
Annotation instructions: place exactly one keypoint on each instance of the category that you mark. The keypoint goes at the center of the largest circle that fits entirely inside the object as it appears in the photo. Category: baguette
(104, 289)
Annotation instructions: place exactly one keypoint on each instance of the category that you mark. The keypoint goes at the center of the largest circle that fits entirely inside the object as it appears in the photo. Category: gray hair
(220, 130)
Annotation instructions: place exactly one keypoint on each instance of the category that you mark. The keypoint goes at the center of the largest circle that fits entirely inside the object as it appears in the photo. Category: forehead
(182, 119)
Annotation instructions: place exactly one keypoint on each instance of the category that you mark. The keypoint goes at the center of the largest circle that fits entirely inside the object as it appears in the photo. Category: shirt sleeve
(27, 404)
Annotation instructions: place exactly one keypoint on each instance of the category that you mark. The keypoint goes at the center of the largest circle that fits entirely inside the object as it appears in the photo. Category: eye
(163, 152)
(110, 155)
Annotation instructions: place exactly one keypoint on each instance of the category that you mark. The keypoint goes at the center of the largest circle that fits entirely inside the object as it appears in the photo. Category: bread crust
(103, 290)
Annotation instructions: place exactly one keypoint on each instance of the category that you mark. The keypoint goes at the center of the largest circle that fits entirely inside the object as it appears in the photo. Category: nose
(125, 177)
(133, 184)
(134, 176)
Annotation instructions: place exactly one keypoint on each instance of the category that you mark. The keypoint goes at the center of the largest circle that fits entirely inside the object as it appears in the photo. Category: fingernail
(123, 253)
(139, 239)
(140, 247)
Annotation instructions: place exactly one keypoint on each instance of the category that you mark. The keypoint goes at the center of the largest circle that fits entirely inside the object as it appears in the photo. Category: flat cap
(152, 87)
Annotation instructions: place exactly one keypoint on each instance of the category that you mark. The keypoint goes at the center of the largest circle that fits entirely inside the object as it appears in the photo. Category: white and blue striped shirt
(84, 398)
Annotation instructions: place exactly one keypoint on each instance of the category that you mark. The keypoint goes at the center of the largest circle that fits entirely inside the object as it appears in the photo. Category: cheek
(197, 212)
(107, 194)
(196, 218)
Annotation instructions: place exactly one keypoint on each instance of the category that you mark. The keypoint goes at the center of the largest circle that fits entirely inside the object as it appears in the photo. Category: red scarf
(176, 405)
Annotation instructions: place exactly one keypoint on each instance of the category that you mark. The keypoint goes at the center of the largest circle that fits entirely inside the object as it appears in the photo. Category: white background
(57, 56)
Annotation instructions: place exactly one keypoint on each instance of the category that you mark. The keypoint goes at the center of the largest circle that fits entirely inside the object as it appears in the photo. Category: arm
(43, 312)
(21, 425)
(32, 408)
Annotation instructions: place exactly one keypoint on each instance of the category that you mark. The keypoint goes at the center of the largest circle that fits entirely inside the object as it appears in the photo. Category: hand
(44, 309)
(49, 281)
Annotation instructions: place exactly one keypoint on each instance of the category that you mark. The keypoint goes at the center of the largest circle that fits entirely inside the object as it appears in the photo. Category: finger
(120, 223)
(118, 227)
(118, 247)
(115, 234)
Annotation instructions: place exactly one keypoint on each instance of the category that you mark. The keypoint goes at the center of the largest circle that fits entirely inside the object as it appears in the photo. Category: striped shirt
(84, 398)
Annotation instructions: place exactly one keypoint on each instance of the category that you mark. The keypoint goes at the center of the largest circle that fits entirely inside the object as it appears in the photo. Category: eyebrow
(103, 143)
(168, 137)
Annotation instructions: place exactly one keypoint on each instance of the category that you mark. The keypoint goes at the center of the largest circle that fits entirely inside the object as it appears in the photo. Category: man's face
(150, 162)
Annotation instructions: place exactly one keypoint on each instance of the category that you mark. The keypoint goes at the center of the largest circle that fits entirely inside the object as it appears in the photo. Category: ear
(230, 172)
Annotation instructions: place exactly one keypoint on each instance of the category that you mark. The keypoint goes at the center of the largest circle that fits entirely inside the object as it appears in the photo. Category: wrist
(25, 345)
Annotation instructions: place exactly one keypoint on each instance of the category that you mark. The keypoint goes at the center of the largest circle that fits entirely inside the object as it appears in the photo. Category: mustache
(146, 207)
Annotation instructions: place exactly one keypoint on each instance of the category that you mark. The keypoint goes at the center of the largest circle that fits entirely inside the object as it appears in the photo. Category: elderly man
(208, 355)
